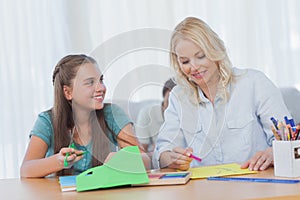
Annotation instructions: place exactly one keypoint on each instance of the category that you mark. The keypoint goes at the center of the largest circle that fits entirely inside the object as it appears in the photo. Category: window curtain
(33, 36)
(129, 39)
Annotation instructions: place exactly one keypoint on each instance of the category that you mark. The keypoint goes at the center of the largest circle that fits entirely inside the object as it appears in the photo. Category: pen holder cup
(286, 158)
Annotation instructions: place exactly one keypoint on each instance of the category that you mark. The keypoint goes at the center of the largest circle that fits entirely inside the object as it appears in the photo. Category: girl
(80, 130)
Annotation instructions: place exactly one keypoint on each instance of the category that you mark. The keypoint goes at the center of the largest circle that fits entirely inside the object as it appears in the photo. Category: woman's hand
(260, 161)
(68, 156)
(177, 158)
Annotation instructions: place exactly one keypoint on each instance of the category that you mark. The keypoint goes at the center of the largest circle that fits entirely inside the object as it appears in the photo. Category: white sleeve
(142, 126)
(269, 103)
(170, 134)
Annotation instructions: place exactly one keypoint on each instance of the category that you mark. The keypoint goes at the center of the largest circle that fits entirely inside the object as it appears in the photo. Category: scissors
(71, 145)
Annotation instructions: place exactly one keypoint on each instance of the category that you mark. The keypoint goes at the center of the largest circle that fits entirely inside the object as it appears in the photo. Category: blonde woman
(218, 113)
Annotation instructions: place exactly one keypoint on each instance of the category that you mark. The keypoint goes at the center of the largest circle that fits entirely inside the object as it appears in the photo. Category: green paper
(126, 167)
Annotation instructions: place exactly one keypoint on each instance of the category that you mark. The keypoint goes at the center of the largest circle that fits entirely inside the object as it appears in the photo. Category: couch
(132, 108)
(291, 97)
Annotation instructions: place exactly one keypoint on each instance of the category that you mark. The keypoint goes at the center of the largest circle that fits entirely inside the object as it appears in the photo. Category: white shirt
(224, 132)
(148, 123)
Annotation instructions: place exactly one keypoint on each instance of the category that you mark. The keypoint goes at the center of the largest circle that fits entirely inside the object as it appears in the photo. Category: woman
(219, 113)
(80, 130)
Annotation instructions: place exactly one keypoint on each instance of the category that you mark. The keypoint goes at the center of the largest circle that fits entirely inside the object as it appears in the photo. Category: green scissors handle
(66, 164)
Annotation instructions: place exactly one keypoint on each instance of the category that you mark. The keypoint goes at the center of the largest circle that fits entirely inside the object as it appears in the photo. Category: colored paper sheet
(126, 167)
(219, 170)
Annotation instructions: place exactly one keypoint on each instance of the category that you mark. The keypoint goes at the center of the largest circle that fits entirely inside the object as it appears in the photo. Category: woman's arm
(269, 103)
(126, 137)
(36, 165)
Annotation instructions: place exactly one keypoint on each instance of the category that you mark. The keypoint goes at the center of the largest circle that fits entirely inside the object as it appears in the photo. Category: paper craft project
(219, 170)
(126, 167)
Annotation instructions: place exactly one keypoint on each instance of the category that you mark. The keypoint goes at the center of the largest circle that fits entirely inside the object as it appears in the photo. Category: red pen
(194, 157)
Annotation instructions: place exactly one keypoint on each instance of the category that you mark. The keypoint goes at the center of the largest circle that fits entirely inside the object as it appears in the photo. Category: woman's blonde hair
(202, 35)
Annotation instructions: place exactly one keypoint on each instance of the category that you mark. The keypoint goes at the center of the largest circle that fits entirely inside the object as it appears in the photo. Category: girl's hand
(178, 158)
(68, 156)
(260, 161)
(110, 155)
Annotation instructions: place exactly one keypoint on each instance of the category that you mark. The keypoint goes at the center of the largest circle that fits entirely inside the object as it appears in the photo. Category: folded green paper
(126, 167)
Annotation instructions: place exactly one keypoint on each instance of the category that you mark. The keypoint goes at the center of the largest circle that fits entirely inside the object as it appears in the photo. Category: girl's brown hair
(62, 114)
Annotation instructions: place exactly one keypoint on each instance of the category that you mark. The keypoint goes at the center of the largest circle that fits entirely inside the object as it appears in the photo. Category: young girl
(80, 130)
(221, 114)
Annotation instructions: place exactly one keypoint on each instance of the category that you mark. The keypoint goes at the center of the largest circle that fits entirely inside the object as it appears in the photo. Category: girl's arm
(127, 137)
(36, 165)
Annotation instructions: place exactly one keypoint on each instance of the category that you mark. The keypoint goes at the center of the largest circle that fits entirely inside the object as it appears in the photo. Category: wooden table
(48, 188)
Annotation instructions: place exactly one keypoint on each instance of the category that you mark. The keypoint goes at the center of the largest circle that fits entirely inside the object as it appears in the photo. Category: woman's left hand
(260, 161)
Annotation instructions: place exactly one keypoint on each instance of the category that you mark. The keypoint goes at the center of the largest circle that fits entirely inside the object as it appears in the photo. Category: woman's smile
(199, 75)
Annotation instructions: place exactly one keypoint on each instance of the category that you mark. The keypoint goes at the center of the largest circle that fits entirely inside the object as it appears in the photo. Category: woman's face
(195, 65)
(88, 88)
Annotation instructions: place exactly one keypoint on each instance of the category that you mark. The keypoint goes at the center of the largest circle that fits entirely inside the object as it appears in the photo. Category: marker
(292, 122)
(277, 136)
(282, 131)
(80, 154)
(297, 132)
(274, 122)
(286, 119)
(290, 132)
(194, 157)
(260, 180)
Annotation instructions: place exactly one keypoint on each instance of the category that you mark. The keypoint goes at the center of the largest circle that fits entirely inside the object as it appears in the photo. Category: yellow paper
(219, 170)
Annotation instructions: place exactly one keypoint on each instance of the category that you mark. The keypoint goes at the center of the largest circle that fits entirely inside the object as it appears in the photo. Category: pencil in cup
(277, 136)
(297, 135)
(286, 132)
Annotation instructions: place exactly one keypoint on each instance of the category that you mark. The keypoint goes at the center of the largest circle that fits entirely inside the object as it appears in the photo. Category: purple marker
(195, 157)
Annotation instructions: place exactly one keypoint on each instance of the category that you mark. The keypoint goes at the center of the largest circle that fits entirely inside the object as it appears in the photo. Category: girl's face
(88, 88)
(195, 65)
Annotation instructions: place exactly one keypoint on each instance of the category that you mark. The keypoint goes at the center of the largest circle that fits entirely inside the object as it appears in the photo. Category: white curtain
(33, 36)
(129, 38)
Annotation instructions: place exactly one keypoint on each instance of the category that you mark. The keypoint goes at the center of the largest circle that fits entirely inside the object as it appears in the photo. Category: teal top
(115, 119)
